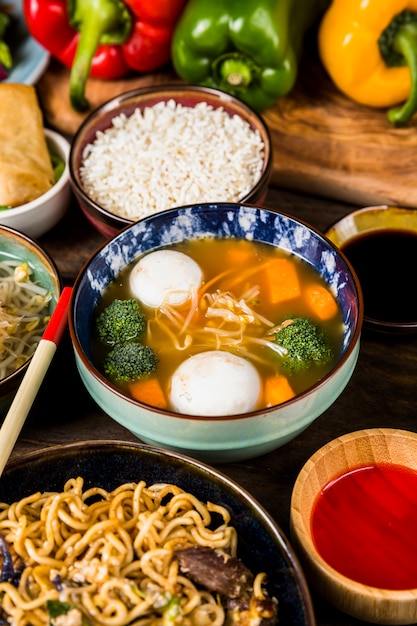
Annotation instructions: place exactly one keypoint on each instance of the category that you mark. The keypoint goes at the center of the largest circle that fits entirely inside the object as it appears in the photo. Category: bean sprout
(24, 313)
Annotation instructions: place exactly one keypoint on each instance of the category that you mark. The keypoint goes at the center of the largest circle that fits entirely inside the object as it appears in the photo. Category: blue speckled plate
(261, 544)
(30, 59)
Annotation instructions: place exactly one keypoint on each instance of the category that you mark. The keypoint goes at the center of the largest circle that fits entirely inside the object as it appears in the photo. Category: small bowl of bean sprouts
(30, 285)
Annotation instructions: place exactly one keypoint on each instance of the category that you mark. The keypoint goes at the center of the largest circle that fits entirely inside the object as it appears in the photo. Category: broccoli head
(130, 361)
(121, 321)
(303, 343)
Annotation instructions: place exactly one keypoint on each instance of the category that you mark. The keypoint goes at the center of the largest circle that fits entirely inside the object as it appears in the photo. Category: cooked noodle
(23, 315)
(111, 556)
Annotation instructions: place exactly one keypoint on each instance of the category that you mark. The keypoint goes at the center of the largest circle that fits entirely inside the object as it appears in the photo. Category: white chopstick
(33, 377)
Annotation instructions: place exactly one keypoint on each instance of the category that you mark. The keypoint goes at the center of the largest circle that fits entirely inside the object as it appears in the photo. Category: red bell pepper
(103, 39)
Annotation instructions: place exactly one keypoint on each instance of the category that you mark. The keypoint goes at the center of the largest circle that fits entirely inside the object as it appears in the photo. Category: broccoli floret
(129, 361)
(304, 344)
(121, 321)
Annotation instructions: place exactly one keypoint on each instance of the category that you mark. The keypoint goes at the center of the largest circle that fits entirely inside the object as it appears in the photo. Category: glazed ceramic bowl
(149, 170)
(231, 437)
(380, 242)
(17, 246)
(371, 540)
(261, 544)
(35, 218)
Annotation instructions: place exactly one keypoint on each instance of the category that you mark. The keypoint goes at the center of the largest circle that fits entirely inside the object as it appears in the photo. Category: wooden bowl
(381, 446)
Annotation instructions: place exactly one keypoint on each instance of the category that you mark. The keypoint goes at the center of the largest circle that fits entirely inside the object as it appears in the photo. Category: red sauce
(364, 525)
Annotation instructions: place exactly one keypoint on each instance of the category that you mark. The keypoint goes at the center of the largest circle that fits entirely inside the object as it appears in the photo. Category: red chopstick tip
(56, 325)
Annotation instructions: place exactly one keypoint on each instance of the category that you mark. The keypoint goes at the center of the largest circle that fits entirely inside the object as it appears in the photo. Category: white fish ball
(215, 383)
(165, 277)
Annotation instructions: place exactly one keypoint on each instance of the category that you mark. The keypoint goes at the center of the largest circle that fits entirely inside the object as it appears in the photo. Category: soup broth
(248, 288)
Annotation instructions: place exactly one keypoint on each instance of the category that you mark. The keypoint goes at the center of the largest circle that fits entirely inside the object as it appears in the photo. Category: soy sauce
(385, 262)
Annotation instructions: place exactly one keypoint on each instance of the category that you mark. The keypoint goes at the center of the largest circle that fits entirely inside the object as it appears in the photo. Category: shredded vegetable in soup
(24, 312)
(234, 326)
(137, 555)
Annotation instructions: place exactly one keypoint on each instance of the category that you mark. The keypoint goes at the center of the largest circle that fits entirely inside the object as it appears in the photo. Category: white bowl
(35, 218)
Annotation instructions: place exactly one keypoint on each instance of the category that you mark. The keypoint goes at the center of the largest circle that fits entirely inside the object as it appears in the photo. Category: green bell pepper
(249, 49)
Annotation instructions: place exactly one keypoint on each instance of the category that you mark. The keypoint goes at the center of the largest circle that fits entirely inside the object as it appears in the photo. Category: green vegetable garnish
(122, 325)
(121, 321)
(5, 54)
(56, 608)
(58, 165)
(130, 361)
(304, 343)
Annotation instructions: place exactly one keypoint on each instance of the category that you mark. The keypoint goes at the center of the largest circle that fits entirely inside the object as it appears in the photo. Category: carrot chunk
(239, 255)
(148, 391)
(283, 280)
(277, 389)
(321, 302)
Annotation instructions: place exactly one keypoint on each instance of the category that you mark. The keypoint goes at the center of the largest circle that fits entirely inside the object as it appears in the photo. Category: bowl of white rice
(157, 148)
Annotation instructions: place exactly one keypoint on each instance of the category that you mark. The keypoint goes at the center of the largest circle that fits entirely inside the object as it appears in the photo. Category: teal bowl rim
(10, 382)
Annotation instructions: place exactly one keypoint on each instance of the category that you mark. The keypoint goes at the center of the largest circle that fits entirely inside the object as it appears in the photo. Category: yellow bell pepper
(369, 49)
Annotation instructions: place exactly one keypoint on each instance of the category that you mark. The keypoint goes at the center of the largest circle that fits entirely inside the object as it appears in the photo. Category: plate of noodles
(29, 58)
(119, 533)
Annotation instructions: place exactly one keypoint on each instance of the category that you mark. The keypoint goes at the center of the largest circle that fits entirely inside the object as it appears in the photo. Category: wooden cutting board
(324, 144)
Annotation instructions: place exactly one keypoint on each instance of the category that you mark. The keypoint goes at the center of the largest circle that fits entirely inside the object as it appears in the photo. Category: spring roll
(25, 166)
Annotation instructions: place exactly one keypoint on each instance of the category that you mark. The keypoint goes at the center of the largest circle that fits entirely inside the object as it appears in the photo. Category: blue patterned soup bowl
(229, 374)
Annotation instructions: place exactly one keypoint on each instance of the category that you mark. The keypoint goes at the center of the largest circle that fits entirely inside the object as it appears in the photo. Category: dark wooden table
(381, 393)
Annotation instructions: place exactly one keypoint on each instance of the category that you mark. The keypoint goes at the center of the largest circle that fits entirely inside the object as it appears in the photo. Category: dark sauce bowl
(381, 244)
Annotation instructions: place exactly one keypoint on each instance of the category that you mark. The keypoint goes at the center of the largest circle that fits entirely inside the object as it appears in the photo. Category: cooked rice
(171, 155)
